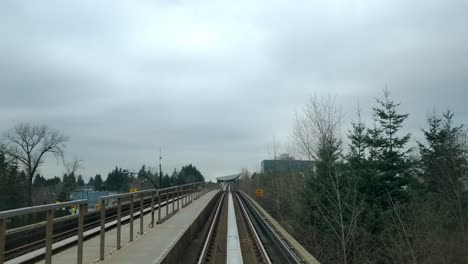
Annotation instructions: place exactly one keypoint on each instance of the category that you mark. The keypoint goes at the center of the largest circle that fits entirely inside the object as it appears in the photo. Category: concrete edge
(177, 248)
(300, 250)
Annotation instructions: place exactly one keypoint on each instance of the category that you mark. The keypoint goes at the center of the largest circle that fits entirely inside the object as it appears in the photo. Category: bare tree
(28, 144)
(330, 192)
(73, 166)
(274, 148)
(319, 121)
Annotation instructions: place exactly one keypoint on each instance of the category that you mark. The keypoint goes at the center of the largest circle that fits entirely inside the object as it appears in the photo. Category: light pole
(160, 170)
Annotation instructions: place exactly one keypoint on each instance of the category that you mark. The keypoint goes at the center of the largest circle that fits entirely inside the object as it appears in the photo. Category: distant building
(286, 164)
(227, 179)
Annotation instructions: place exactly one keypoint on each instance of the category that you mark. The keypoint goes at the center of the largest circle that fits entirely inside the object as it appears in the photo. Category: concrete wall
(177, 251)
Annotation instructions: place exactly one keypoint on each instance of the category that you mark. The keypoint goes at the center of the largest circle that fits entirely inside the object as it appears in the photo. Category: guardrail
(49, 208)
(185, 193)
(173, 196)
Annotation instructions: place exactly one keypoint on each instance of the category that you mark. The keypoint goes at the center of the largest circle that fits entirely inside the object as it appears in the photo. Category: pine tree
(444, 165)
(390, 155)
(12, 187)
(98, 183)
(358, 143)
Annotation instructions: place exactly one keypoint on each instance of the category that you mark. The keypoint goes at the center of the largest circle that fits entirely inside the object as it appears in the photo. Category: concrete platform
(156, 243)
(164, 234)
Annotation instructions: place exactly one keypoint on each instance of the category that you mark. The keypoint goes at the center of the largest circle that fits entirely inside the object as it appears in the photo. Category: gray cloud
(212, 83)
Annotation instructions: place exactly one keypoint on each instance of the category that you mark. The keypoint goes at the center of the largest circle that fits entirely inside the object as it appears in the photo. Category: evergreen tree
(444, 165)
(190, 174)
(98, 184)
(79, 181)
(39, 181)
(12, 187)
(91, 181)
(389, 154)
(175, 177)
(358, 144)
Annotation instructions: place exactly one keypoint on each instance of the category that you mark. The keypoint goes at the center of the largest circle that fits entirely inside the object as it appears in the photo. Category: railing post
(49, 234)
(152, 209)
(167, 205)
(2, 239)
(191, 193)
(119, 221)
(141, 213)
(173, 199)
(178, 198)
(131, 216)
(159, 206)
(103, 229)
(80, 232)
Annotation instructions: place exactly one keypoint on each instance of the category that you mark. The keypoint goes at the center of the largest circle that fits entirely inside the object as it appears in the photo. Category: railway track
(25, 240)
(259, 241)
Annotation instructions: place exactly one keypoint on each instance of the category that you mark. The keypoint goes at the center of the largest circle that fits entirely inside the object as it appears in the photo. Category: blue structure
(92, 196)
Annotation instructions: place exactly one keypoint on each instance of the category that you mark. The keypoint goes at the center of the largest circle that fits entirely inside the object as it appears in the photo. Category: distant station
(228, 179)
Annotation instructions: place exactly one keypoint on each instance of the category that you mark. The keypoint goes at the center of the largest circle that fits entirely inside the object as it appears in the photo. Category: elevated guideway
(181, 224)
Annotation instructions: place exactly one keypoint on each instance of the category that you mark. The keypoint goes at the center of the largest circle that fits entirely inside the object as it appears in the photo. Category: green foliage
(118, 180)
(444, 165)
(98, 183)
(387, 168)
(12, 185)
(190, 174)
(79, 181)
(378, 203)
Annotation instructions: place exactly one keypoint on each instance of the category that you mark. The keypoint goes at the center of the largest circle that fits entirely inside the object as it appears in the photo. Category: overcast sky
(211, 82)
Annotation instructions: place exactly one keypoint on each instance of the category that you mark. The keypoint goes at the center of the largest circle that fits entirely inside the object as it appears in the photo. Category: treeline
(372, 198)
(120, 180)
(48, 190)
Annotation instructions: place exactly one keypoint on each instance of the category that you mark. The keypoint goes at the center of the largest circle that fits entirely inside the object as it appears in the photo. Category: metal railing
(49, 208)
(173, 195)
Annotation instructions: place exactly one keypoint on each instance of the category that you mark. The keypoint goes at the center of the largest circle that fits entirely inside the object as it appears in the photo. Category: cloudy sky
(212, 82)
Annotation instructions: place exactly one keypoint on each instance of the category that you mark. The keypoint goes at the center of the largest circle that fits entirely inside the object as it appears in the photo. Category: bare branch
(28, 144)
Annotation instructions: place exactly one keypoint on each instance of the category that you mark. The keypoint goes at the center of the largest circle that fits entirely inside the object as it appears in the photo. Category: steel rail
(258, 241)
(281, 244)
(205, 248)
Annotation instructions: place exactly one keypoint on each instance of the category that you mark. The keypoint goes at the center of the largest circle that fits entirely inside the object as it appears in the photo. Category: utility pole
(160, 170)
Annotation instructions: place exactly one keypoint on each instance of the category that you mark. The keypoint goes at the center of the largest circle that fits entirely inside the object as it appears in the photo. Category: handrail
(39, 208)
(173, 195)
(49, 208)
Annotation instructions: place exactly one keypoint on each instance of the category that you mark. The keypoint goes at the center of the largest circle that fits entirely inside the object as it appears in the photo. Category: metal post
(152, 209)
(173, 201)
(191, 194)
(80, 232)
(167, 205)
(178, 198)
(103, 229)
(159, 206)
(131, 217)
(141, 214)
(119, 221)
(2, 239)
(49, 233)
